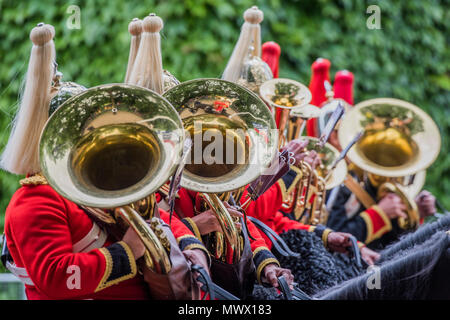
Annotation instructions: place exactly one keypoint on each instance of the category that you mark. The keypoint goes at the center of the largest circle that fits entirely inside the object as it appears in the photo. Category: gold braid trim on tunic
(34, 180)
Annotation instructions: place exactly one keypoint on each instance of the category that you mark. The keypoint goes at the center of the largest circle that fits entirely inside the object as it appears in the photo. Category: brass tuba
(111, 147)
(234, 139)
(400, 141)
(287, 95)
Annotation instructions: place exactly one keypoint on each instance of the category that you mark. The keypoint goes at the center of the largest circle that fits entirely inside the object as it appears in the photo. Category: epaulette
(34, 180)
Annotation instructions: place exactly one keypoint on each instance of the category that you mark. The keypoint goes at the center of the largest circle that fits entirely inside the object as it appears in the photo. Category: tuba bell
(111, 147)
(234, 139)
(400, 141)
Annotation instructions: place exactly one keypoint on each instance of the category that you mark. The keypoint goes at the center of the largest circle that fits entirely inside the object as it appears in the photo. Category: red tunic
(320, 73)
(266, 209)
(188, 203)
(60, 253)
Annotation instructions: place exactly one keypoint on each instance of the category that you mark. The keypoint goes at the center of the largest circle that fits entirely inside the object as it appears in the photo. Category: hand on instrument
(234, 212)
(369, 256)
(198, 257)
(272, 272)
(297, 147)
(339, 241)
(134, 242)
(207, 221)
(426, 203)
(334, 141)
(393, 206)
(313, 159)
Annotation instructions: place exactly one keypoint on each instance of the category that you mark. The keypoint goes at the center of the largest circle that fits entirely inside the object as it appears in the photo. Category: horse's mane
(415, 238)
(406, 275)
(315, 268)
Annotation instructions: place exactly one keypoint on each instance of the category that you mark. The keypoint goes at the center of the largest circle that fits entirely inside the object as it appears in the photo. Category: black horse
(415, 268)
(314, 267)
(417, 237)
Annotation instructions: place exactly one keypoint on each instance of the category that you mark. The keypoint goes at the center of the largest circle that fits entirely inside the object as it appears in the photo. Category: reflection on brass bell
(254, 72)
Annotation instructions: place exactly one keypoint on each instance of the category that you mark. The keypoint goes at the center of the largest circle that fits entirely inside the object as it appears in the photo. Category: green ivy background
(408, 58)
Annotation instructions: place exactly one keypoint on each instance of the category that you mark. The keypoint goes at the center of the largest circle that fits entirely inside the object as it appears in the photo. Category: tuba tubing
(226, 223)
(156, 257)
(317, 211)
(413, 219)
(225, 108)
(303, 192)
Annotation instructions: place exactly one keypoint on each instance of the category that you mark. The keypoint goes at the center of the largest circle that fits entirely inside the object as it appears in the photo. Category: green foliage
(406, 59)
(288, 91)
(12, 291)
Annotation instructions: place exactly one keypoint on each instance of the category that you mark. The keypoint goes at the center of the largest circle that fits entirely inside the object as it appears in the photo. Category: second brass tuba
(234, 139)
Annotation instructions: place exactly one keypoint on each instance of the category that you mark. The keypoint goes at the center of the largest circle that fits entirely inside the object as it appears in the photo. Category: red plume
(320, 72)
(343, 86)
(271, 55)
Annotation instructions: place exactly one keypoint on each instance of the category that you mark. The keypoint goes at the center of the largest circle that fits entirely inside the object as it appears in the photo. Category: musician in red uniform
(59, 252)
(55, 247)
(268, 209)
(188, 207)
(375, 225)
